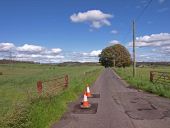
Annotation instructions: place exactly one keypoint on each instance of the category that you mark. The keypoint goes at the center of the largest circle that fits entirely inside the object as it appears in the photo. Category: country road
(118, 107)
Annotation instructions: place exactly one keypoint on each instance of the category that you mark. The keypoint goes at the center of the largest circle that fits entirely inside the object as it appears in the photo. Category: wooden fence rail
(160, 77)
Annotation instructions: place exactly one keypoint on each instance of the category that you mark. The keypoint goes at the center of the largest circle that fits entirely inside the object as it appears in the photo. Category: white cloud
(30, 48)
(29, 52)
(39, 58)
(4, 47)
(154, 47)
(54, 57)
(154, 50)
(42, 54)
(151, 56)
(91, 56)
(113, 42)
(153, 40)
(95, 53)
(166, 49)
(114, 32)
(142, 55)
(96, 18)
(56, 50)
(85, 53)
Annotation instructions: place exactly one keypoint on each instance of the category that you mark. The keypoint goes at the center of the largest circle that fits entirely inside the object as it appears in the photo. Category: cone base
(85, 107)
(90, 96)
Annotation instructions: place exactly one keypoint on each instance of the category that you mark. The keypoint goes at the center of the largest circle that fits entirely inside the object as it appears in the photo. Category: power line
(142, 12)
(134, 38)
(138, 18)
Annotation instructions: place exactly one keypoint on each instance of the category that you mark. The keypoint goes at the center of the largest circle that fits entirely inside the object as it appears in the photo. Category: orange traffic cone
(85, 103)
(88, 91)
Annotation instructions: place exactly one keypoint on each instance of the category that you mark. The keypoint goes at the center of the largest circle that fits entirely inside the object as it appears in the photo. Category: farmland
(142, 79)
(16, 79)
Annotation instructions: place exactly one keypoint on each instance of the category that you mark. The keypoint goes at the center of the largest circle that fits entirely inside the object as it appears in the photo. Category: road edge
(121, 79)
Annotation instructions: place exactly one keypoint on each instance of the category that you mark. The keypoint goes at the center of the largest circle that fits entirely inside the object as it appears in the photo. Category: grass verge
(45, 111)
(141, 80)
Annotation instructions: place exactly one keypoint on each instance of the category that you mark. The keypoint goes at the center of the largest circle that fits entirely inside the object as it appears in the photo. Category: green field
(17, 111)
(142, 79)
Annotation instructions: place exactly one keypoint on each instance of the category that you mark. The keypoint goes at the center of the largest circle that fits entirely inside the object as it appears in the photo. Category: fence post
(151, 76)
(39, 87)
(66, 81)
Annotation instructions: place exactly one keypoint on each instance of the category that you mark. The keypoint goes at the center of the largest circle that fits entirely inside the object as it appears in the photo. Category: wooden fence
(160, 77)
(49, 87)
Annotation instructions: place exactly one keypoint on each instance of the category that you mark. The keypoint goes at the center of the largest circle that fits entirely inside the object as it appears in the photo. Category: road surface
(118, 107)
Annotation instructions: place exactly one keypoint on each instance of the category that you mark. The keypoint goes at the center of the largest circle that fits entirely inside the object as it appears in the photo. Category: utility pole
(10, 58)
(114, 60)
(134, 56)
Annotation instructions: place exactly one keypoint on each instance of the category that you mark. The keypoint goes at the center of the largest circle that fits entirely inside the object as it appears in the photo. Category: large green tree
(117, 54)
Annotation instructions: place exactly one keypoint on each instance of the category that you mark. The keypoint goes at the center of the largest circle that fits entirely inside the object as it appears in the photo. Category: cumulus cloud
(30, 48)
(29, 52)
(91, 56)
(161, 39)
(94, 53)
(154, 47)
(48, 58)
(96, 18)
(166, 49)
(4, 47)
(39, 58)
(151, 56)
(56, 50)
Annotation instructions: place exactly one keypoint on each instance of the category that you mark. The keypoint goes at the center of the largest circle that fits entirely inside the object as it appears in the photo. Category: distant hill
(153, 63)
(79, 64)
(4, 61)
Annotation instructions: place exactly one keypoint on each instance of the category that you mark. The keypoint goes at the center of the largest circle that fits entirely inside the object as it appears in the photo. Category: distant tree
(106, 57)
(116, 52)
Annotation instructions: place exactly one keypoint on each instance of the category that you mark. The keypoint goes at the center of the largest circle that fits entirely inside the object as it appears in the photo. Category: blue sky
(62, 30)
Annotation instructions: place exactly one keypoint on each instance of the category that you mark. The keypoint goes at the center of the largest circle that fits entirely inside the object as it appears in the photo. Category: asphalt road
(118, 107)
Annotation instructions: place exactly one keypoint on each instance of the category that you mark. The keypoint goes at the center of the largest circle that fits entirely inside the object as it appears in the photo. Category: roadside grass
(51, 110)
(18, 112)
(141, 80)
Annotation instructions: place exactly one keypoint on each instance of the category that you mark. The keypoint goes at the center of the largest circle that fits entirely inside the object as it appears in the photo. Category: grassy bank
(141, 80)
(18, 112)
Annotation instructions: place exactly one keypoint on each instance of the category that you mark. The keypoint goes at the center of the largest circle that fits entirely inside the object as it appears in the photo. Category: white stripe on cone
(88, 89)
(85, 98)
